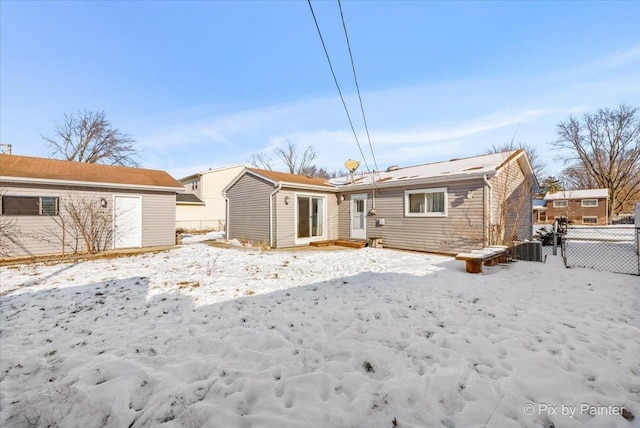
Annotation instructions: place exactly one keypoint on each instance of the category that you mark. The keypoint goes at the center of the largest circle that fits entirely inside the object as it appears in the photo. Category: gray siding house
(280, 210)
(56, 207)
(444, 207)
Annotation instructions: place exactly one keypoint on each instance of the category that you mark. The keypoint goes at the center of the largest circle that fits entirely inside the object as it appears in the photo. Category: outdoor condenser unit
(530, 251)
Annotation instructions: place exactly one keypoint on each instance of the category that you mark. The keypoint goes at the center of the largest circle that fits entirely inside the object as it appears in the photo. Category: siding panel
(248, 217)
(286, 218)
(461, 230)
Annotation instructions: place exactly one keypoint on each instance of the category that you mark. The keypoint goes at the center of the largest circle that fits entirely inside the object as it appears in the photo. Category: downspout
(486, 182)
(226, 220)
(278, 187)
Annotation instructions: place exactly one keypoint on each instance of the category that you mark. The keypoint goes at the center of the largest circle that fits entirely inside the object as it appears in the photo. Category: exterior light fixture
(103, 203)
(287, 200)
(470, 194)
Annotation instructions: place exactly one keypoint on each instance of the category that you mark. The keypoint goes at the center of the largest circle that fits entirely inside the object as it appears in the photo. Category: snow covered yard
(204, 336)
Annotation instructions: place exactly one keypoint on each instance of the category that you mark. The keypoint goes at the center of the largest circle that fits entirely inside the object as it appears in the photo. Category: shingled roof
(283, 177)
(24, 168)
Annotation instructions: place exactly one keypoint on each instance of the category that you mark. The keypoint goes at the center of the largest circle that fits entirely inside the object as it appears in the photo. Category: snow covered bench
(489, 256)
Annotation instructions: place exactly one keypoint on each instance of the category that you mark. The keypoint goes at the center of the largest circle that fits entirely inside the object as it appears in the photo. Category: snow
(464, 168)
(239, 337)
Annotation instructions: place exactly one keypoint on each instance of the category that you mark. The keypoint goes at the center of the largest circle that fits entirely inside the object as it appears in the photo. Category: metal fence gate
(606, 248)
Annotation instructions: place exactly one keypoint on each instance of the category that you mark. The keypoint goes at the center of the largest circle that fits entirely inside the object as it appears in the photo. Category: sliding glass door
(310, 218)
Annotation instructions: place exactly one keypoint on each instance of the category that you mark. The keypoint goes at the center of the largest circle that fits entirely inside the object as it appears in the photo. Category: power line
(355, 78)
(335, 79)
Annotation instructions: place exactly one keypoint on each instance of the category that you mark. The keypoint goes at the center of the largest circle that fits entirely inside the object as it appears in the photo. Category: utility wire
(355, 78)
(335, 79)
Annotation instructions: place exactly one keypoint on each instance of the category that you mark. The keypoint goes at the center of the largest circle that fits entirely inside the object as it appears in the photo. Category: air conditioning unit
(530, 251)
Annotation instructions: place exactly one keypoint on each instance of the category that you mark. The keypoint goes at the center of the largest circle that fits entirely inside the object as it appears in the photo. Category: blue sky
(205, 84)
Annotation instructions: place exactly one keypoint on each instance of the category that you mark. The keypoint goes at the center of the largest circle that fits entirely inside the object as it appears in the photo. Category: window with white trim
(425, 202)
(589, 202)
(560, 203)
(590, 220)
(29, 205)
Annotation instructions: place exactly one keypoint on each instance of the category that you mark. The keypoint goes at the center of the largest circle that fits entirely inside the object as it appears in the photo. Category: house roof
(285, 178)
(539, 203)
(33, 169)
(577, 194)
(210, 170)
(454, 169)
(188, 199)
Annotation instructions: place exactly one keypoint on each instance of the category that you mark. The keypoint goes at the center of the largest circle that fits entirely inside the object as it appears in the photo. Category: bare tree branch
(295, 162)
(89, 137)
(603, 150)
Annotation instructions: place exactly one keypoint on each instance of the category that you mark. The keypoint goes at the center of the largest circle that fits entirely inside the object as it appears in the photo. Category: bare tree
(259, 160)
(296, 162)
(88, 136)
(603, 150)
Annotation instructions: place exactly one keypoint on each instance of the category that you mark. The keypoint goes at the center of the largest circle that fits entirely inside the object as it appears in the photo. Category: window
(426, 202)
(29, 205)
(590, 220)
(194, 185)
(589, 202)
(560, 204)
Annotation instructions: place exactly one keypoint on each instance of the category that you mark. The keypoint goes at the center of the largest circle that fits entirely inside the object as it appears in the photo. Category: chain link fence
(606, 248)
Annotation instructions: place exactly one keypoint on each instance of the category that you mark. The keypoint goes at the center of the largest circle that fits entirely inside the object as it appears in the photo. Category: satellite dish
(351, 165)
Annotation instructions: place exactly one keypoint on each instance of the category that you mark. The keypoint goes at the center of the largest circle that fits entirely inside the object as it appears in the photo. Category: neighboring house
(539, 211)
(54, 207)
(444, 207)
(588, 206)
(202, 206)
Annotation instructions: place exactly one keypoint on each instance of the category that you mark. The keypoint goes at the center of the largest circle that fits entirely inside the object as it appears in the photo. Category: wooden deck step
(340, 242)
(321, 243)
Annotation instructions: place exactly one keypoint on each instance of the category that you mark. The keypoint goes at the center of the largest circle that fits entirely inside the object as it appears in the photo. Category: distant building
(588, 207)
(201, 207)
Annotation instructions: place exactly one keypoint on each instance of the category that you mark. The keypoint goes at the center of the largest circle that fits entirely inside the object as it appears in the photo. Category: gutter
(100, 184)
(277, 189)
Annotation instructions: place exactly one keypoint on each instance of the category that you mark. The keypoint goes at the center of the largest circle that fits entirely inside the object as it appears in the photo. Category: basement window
(29, 205)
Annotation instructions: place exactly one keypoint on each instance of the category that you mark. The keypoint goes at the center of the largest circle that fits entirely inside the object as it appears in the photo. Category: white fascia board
(309, 187)
(28, 180)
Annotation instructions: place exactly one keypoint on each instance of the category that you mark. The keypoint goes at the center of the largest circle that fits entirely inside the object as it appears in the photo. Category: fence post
(555, 238)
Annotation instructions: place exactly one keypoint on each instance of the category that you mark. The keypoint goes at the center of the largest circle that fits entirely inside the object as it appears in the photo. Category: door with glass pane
(359, 216)
(310, 217)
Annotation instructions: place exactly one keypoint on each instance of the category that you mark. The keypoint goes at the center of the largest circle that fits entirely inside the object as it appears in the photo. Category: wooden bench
(490, 256)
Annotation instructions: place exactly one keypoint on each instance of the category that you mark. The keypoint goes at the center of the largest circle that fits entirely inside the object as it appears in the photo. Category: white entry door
(127, 222)
(359, 216)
